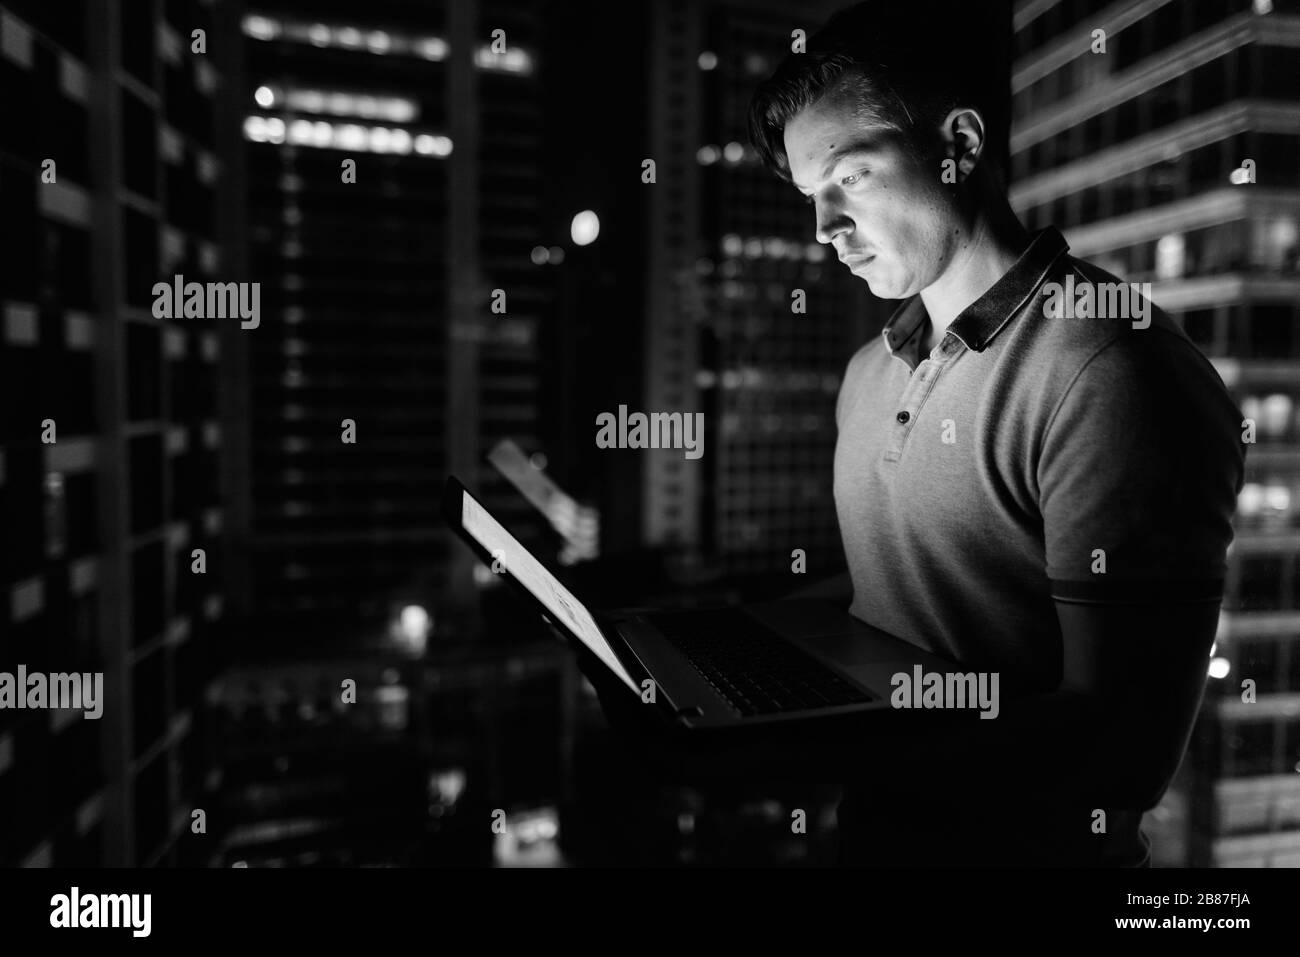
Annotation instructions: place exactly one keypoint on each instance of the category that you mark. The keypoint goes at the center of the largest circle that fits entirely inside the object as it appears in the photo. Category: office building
(749, 318)
(116, 429)
(393, 191)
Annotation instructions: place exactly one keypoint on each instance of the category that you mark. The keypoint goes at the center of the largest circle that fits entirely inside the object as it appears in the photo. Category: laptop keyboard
(752, 667)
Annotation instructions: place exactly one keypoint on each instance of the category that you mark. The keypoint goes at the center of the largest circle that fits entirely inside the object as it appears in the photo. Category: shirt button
(903, 416)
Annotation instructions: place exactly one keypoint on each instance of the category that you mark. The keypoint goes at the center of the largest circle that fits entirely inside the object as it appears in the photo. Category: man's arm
(1138, 472)
(1111, 737)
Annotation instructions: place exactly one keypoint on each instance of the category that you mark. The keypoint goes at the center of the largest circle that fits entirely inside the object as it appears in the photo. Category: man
(1033, 494)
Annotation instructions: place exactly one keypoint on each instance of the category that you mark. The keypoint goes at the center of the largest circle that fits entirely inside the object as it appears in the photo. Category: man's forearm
(1059, 748)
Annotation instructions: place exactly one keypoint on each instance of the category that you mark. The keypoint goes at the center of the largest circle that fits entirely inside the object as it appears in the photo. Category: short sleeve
(1138, 476)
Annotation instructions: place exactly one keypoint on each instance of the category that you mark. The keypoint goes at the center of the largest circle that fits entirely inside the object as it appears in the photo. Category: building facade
(749, 318)
(118, 443)
(393, 191)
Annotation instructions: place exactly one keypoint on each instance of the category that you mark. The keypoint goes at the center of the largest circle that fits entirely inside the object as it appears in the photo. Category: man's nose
(831, 221)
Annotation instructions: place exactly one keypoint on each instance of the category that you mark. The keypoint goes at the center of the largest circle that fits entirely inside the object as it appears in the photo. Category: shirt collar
(983, 319)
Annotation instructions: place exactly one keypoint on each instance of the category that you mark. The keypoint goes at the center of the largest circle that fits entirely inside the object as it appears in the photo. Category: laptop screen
(543, 586)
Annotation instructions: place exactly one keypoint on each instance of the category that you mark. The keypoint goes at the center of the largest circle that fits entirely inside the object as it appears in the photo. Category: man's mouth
(853, 262)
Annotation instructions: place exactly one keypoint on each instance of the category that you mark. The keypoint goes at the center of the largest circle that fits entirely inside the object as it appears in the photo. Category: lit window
(1250, 500)
(1275, 414)
(432, 48)
(261, 28)
(1170, 256)
(255, 129)
(348, 136)
(708, 155)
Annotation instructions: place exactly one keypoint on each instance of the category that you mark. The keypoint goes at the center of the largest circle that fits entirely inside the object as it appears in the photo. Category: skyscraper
(114, 469)
(749, 318)
(1164, 139)
(392, 187)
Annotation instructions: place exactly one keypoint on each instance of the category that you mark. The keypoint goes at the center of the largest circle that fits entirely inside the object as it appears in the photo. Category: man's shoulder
(1087, 321)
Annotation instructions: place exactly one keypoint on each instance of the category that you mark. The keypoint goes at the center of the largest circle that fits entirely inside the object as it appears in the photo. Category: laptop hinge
(632, 662)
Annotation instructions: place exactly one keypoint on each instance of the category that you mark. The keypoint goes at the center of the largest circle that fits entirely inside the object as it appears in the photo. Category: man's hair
(904, 64)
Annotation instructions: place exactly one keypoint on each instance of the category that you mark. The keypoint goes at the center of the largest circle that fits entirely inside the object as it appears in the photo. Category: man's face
(885, 212)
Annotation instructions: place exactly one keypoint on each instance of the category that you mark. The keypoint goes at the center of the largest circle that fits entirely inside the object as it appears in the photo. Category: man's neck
(984, 257)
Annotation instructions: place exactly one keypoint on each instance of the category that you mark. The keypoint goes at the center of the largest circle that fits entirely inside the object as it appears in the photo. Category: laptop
(712, 668)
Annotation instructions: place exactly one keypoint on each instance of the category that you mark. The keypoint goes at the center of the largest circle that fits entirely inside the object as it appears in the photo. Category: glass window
(1261, 579)
(1207, 83)
(1279, 77)
(1091, 209)
(1199, 326)
(1092, 134)
(1207, 168)
(1206, 13)
(1277, 159)
(1272, 329)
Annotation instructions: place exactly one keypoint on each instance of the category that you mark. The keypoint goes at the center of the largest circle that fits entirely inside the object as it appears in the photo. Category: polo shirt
(1029, 458)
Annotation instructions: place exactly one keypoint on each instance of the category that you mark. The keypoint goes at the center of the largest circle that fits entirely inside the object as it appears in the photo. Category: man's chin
(881, 289)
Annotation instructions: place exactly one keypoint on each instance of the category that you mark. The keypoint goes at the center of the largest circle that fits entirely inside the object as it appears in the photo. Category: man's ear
(964, 134)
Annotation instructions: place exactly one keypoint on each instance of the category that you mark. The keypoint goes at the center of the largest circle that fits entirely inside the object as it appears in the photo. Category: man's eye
(850, 179)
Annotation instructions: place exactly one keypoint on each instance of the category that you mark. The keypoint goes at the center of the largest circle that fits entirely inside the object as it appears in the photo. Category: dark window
(1272, 332)
(141, 255)
(139, 146)
(1279, 77)
(1277, 159)
(1261, 583)
(146, 459)
(1251, 746)
(1207, 169)
(1199, 326)
(138, 30)
(1206, 13)
(143, 372)
(1091, 205)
